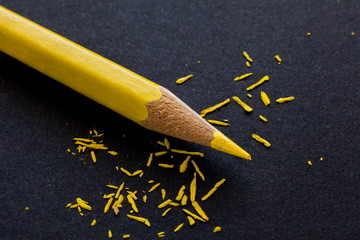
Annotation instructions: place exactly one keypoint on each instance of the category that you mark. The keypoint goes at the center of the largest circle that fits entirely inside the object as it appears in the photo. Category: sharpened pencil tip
(224, 144)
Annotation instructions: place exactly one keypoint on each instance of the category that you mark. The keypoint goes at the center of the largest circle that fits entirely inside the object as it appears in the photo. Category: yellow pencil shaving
(132, 194)
(167, 143)
(249, 95)
(193, 188)
(147, 223)
(151, 181)
(204, 112)
(265, 98)
(165, 203)
(180, 193)
(80, 149)
(161, 234)
(287, 99)
(247, 56)
(187, 152)
(118, 202)
(93, 223)
(93, 157)
(160, 153)
(79, 200)
(248, 64)
(136, 218)
(218, 122)
(184, 200)
(79, 209)
(121, 187)
(165, 212)
(74, 206)
(112, 186)
(184, 164)
(126, 236)
(243, 76)
(108, 195)
(161, 143)
(108, 204)
(97, 146)
(113, 153)
(211, 192)
(110, 235)
(193, 215)
(263, 118)
(197, 169)
(132, 203)
(278, 59)
(179, 227)
(261, 140)
(191, 220)
(68, 205)
(321, 158)
(84, 140)
(138, 172)
(243, 104)
(199, 210)
(81, 214)
(308, 33)
(83, 204)
(217, 229)
(154, 187)
(125, 171)
(184, 79)
(92, 145)
(144, 198)
(141, 174)
(163, 194)
(309, 163)
(164, 165)
(261, 81)
(174, 204)
(96, 134)
(150, 160)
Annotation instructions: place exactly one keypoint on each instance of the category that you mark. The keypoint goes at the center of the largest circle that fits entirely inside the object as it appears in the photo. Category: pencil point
(224, 144)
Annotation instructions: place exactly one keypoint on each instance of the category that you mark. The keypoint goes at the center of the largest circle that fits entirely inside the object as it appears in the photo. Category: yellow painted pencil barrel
(76, 67)
(108, 83)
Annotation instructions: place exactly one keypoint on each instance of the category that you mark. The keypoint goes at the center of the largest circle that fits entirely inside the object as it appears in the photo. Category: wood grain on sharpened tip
(170, 116)
(107, 83)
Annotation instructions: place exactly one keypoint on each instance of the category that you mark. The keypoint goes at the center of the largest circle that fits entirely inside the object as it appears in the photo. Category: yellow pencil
(108, 83)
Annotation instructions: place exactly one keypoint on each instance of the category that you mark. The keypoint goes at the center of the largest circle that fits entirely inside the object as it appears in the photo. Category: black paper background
(274, 196)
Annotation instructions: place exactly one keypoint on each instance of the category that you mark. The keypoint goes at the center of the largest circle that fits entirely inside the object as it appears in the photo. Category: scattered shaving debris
(261, 140)
(184, 79)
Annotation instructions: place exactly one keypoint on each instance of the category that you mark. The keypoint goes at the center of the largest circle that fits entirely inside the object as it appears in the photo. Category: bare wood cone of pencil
(107, 83)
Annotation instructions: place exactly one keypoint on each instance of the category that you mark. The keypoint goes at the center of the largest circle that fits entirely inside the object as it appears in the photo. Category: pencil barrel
(76, 67)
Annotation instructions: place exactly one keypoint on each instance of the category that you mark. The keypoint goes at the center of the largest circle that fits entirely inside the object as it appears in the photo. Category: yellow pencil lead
(224, 144)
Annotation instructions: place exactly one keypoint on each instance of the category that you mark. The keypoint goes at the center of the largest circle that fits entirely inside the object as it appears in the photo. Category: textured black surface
(274, 196)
